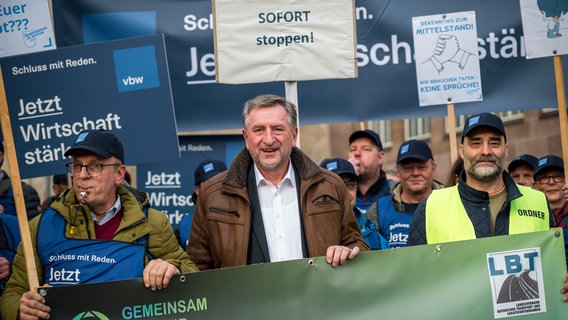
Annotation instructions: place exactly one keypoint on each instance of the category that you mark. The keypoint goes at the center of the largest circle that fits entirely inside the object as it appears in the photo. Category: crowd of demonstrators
(204, 171)
(269, 205)
(344, 169)
(97, 216)
(273, 203)
(393, 213)
(367, 155)
(521, 169)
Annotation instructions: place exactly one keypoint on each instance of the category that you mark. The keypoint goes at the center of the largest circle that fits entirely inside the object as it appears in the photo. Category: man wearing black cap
(486, 200)
(7, 204)
(521, 169)
(207, 169)
(549, 178)
(59, 185)
(366, 154)
(96, 231)
(344, 169)
(416, 168)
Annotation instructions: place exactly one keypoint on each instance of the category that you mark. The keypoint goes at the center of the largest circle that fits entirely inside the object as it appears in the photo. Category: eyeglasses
(94, 169)
(546, 179)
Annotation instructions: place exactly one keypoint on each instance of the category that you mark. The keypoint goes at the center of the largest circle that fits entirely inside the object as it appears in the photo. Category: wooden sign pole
(561, 96)
(452, 133)
(10, 154)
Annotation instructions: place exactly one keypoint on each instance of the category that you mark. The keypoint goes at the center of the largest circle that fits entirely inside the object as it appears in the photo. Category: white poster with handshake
(447, 63)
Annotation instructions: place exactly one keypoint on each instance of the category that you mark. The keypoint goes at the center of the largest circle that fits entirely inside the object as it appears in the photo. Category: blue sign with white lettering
(120, 85)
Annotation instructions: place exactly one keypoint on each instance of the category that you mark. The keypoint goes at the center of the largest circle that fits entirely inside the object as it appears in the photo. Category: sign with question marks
(447, 62)
(25, 26)
(545, 27)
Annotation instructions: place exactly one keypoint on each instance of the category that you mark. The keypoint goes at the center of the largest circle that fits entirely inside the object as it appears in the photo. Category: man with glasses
(549, 178)
(96, 231)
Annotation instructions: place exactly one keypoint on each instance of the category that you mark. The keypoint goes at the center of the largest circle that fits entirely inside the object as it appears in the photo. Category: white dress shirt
(281, 216)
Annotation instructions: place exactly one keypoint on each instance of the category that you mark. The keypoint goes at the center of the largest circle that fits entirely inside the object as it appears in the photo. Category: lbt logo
(516, 276)
(512, 263)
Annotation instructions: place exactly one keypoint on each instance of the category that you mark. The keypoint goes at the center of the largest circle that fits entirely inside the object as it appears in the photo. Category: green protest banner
(501, 277)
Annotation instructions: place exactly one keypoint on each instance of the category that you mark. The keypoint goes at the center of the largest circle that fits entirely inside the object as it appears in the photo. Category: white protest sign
(447, 63)
(292, 40)
(25, 26)
(545, 27)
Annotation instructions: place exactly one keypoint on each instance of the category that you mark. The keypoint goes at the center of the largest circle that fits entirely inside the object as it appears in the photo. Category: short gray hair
(270, 100)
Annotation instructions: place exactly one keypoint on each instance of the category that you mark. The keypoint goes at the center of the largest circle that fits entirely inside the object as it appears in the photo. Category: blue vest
(184, 227)
(368, 230)
(11, 236)
(394, 225)
(76, 261)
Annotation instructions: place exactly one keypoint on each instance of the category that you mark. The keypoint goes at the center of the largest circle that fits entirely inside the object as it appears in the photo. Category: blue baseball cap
(548, 162)
(367, 134)
(339, 166)
(414, 149)
(100, 142)
(207, 169)
(527, 159)
(483, 119)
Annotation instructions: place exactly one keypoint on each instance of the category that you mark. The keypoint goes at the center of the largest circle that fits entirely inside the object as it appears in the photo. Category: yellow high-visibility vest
(447, 220)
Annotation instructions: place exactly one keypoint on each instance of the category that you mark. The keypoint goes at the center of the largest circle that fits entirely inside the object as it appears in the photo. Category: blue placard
(120, 85)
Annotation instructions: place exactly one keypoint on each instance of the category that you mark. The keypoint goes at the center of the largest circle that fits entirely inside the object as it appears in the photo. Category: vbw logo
(90, 315)
(516, 282)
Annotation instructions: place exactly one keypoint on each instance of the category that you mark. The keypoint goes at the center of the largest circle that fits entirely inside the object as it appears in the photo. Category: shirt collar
(288, 177)
(110, 213)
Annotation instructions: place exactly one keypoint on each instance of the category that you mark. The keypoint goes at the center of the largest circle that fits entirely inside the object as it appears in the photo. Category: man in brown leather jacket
(274, 203)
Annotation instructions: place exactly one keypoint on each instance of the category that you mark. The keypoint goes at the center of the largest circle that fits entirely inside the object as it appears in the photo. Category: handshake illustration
(448, 50)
